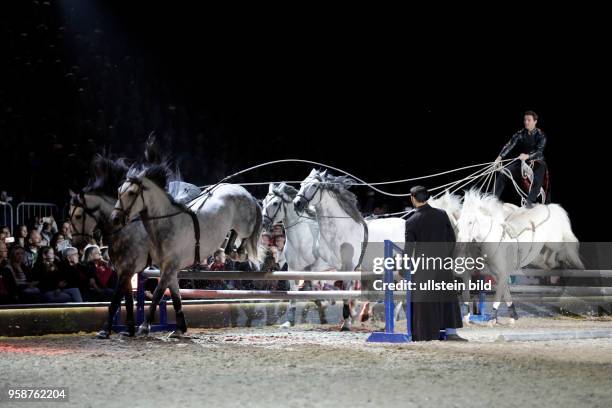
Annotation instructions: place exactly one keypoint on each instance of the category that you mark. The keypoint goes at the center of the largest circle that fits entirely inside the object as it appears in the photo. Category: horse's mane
(448, 202)
(159, 173)
(107, 173)
(291, 192)
(338, 186)
(474, 200)
(284, 188)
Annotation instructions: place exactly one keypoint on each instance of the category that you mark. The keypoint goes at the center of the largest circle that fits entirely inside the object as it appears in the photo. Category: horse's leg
(292, 307)
(499, 291)
(181, 323)
(158, 293)
(346, 254)
(346, 310)
(113, 307)
(130, 323)
(510, 304)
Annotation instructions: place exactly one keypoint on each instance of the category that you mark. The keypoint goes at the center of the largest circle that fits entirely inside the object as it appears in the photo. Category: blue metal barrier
(163, 324)
(389, 335)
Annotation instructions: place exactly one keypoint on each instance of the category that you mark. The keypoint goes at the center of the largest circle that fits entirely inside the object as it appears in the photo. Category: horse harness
(506, 231)
(181, 210)
(81, 202)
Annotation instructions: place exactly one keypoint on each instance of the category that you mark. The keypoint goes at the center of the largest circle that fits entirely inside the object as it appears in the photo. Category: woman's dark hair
(14, 249)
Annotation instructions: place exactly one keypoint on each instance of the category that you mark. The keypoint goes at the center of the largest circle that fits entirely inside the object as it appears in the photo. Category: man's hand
(497, 162)
(523, 156)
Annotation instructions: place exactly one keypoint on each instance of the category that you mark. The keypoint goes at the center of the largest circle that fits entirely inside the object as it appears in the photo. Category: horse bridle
(273, 217)
(81, 202)
(124, 211)
(145, 217)
(316, 190)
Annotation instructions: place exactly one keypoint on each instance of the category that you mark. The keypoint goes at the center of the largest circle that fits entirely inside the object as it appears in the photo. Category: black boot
(513, 313)
(181, 323)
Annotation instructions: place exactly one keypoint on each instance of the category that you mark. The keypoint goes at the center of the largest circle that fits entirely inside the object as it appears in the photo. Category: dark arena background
(373, 94)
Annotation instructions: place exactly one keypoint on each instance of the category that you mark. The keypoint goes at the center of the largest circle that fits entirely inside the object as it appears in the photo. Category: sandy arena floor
(312, 366)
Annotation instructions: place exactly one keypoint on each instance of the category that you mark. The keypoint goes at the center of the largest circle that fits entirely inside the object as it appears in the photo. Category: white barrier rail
(6, 209)
(34, 210)
(237, 275)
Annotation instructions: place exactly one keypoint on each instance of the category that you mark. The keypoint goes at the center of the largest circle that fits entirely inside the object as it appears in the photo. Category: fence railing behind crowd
(26, 211)
(6, 216)
(66, 211)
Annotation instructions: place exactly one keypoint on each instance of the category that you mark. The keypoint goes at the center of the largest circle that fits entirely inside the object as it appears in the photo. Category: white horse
(514, 241)
(343, 233)
(301, 236)
(180, 236)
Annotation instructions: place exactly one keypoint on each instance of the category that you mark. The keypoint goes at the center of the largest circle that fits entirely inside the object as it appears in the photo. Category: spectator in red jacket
(101, 277)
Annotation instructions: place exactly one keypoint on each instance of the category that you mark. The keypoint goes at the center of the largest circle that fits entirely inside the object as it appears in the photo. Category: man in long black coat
(429, 233)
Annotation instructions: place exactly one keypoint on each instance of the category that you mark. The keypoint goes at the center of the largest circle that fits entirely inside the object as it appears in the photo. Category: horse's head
(274, 204)
(130, 201)
(84, 218)
(480, 215)
(133, 194)
(310, 190)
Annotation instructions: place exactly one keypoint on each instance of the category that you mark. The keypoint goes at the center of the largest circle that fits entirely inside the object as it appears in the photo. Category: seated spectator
(243, 264)
(101, 277)
(6, 231)
(277, 230)
(21, 236)
(17, 278)
(59, 243)
(73, 272)
(53, 285)
(33, 241)
(3, 250)
(47, 227)
(105, 254)
(66, 230)
(279, 242)
(266, 239)
(217, 264)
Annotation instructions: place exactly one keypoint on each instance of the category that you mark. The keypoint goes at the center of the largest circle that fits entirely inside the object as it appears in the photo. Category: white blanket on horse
(183, 192)
(523, 220)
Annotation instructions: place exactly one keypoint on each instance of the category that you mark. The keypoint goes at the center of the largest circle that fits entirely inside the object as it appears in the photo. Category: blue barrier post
(140, 300)
(140, 306)
(482, 316)
(388, 336)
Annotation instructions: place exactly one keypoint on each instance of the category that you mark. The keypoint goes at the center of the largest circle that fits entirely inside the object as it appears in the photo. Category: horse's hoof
(177, 334)
(103, 335)
(345, 328)
(364, 317)
(143, 330)
(129, 333)
(285, 325)
(323, 321)
(491, 323)
(466, 320)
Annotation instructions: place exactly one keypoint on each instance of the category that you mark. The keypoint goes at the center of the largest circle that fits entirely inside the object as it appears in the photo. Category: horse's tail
(252, 242)
(569, 256)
